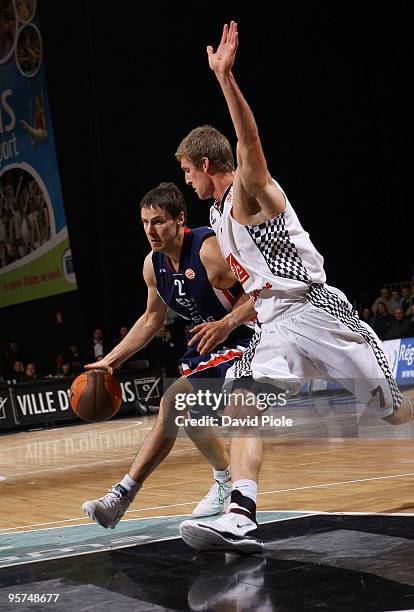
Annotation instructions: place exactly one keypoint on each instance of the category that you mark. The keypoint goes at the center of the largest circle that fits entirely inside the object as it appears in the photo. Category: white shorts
(321, 337)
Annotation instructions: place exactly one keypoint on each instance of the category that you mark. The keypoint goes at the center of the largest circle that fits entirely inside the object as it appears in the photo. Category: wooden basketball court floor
(340, 480)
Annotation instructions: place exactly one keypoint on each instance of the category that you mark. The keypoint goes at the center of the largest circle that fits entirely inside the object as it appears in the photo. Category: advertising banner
(7, 418)
(35, 255)
(48, 400)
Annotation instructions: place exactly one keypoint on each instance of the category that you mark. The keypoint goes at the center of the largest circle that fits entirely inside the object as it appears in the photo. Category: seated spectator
(12, 354)
(407, 300)
(383, 298)
(75, 359)
(123, 330)
(18, 374)
(395, 301)
(163, 353)
(31, 372)
(367, 317)
(98, 344)
(400, 326)
(65, 371)
(382, 321)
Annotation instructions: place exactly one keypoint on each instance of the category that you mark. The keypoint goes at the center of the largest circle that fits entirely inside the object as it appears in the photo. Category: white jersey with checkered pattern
(275, 261)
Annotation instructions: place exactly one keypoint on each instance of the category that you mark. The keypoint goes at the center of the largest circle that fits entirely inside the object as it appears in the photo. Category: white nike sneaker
(109, 509)
(227, 534)
(216, 500)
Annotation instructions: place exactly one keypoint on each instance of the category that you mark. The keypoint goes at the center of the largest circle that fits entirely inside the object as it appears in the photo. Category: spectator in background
(164, 354)
(384, 298)
(98, 344)
(410, 318)
(31, 372)
(382, 321)
(65, 371)
(75, 359)
(366, 316)
(406, 300)
(18, 374)
(400, 326)
(123, 330)
(13, 353)
(395, 301)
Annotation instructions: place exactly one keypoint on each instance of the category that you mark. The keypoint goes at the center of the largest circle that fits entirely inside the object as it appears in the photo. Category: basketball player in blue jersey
(185, 271)
(306, 329)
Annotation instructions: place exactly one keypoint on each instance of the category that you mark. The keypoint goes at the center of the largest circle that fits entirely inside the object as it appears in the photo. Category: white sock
(247, 488)
(128, 483)
(222, 475)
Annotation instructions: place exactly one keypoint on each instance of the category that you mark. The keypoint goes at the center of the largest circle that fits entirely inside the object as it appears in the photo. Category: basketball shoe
(216, 501)
(228, 533)
(108, 510)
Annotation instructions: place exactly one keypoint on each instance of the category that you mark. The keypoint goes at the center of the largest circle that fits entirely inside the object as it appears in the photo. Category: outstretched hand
(222, 60)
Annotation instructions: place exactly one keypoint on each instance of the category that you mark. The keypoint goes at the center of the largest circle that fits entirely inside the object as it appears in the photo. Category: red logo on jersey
(237, 268)
(190, 273)
(255, 294)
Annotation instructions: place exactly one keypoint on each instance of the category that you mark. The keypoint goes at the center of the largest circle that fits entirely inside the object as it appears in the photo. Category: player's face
(198, 178)
(160, 228)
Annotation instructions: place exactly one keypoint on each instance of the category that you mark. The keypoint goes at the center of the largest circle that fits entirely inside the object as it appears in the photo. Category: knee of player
(242, 404)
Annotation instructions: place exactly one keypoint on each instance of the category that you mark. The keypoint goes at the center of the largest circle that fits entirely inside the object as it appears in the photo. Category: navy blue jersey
(188, 291)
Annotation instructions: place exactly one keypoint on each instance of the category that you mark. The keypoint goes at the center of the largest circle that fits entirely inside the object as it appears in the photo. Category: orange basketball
(95, 395)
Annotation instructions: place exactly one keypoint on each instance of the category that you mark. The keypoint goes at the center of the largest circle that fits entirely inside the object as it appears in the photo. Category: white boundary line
(333, 484)
(302, 514)
(328, 484)
(136, 544)
(88, 552)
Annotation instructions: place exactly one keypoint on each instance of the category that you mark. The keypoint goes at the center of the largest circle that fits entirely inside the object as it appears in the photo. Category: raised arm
(143, 330)
(256, 195)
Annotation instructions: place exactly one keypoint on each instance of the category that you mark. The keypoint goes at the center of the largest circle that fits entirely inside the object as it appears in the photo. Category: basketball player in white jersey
(306, 329)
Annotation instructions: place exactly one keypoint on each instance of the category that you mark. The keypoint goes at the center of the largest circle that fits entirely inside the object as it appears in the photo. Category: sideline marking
(328, 484)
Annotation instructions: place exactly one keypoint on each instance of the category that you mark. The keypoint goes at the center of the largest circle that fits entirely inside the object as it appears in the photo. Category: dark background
(331, 86)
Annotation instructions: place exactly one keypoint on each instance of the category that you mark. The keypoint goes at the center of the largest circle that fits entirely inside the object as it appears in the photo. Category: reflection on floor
(323, 561)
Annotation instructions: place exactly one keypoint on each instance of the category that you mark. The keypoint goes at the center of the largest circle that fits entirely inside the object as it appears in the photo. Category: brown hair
(166, 196)
(206, 141)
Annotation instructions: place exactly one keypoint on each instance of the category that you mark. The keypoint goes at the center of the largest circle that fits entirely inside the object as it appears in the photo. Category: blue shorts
(209, 371)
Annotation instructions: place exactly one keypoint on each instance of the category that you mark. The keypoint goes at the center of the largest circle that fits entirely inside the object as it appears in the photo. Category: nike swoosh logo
(245, 525)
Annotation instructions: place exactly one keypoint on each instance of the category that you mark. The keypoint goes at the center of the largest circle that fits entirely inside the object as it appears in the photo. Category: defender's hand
(223, 59)
(208, 335)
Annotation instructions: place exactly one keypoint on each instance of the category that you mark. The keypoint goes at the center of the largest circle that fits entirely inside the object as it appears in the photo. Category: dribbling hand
(99, 365)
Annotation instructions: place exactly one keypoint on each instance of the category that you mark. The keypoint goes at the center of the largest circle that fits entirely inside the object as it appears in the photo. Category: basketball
(95, 395)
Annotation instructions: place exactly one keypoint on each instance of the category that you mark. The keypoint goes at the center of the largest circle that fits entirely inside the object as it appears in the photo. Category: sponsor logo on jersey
(255, 294)
(237, 268)
(190, 273)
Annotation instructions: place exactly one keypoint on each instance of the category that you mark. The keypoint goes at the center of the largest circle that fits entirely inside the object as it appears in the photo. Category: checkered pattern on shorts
(321, 297)
(279, 253)
(242, 367)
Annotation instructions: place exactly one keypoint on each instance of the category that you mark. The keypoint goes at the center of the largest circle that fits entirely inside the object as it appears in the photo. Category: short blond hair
(206, 141)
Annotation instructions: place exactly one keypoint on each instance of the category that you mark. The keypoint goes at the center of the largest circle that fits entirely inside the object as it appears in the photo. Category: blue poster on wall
(35, 255)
